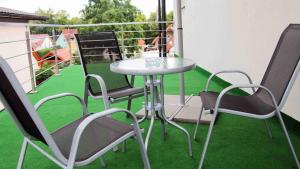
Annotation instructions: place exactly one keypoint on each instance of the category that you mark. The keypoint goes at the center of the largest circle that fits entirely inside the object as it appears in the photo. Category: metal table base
(156, 107)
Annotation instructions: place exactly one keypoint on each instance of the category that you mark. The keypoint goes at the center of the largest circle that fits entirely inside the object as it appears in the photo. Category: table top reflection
(152, 66)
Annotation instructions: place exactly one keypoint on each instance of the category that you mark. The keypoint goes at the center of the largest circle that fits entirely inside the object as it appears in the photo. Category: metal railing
(128, 45)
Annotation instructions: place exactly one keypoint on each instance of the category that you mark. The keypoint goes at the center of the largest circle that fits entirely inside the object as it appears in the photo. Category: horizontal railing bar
(22, 69)
(33, 64)
(97, 24)
(101, 55)
(140, 31)
(149, 52)
(98, 40)
(45, 70)
(105, 47)
(45, 59)
(139, 38)
(120, 39)
(48, 77)
(17, 55)
(113, 47)
(50, 36)
(141, 46)
(21, 40)
(42, 73)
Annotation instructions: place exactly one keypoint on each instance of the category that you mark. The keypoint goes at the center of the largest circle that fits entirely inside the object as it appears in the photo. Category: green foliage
(76, 61)
(107, 11)
(170, 16)
(115, 11)
(40, 77)
(54, 17)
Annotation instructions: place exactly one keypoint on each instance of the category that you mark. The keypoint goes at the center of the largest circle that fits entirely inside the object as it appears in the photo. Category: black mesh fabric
(282, 64)
(249, 104)
(17, 106)
(98, 50)
(98, 134)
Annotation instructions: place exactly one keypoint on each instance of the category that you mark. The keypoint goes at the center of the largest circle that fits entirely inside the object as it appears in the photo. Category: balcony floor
(236, 142)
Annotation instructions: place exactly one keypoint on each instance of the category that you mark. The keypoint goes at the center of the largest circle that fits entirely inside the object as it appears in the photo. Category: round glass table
(153, 71)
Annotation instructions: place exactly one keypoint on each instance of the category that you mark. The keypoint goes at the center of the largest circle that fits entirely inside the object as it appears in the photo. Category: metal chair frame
(57, 157)
(276, 112)
(104, 94)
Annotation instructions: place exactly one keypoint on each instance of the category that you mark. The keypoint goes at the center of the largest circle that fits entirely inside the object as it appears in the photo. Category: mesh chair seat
(99, 134)
(249, 104)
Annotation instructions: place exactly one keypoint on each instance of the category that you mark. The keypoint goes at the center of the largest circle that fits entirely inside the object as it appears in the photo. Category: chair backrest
(14, 99)
(284, 65)
(97, 51)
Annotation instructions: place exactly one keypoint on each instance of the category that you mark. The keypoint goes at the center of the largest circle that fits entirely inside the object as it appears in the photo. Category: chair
(49, 57)
(97, 51)
(270, 96)
(77, 143)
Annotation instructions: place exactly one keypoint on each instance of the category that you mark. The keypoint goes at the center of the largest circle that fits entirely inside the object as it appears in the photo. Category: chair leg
(163, 129)
(149, 131)
(288, 139)
(22, 154)
(102, 162)
(129, 105)
(268, 128)
(124, 146)
(143, 150)
(198, 120)
(212, 123)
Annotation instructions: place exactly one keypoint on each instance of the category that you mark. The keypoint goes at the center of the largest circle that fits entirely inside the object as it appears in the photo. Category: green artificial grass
(236, 142)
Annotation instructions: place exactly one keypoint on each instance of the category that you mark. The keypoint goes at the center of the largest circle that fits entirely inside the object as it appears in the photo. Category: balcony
(234, 140)
(237, 142)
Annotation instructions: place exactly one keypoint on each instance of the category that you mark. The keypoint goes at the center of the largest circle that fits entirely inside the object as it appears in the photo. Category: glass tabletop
(152, 66)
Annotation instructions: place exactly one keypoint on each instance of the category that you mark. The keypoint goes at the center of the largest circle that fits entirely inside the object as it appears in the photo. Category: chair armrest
(46, 99)
(102, 87)
(226, 90)
(85, 123)
(228, 71)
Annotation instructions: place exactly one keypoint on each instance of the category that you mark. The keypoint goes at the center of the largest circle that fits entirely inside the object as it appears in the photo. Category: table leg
(158, 112)
(145, 101)
(171, 122)
(152, 109)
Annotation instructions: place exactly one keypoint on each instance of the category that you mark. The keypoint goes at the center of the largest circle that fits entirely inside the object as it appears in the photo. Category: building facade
(234, 34)
(13, 46)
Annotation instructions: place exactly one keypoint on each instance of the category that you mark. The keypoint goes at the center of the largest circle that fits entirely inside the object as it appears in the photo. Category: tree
(108, 11)
(59, 17)
(170, 16)
(115, 11)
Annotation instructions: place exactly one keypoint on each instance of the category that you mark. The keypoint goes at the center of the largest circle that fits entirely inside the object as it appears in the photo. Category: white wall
(11, 32)
(238, 34)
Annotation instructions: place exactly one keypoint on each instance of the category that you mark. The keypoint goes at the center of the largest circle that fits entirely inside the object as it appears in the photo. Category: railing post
(122, 35)
(122, 42)
(56, 70)
(32, 76)
(70, 47)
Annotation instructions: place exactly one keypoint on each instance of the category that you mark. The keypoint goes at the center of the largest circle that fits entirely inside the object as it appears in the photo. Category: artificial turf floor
(236, 143)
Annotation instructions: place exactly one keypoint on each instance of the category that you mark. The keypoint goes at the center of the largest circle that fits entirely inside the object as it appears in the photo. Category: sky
(74, 6)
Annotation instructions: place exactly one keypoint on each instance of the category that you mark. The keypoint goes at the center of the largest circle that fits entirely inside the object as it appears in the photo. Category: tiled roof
(16, 14)
(38, 39)
(69, 33)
